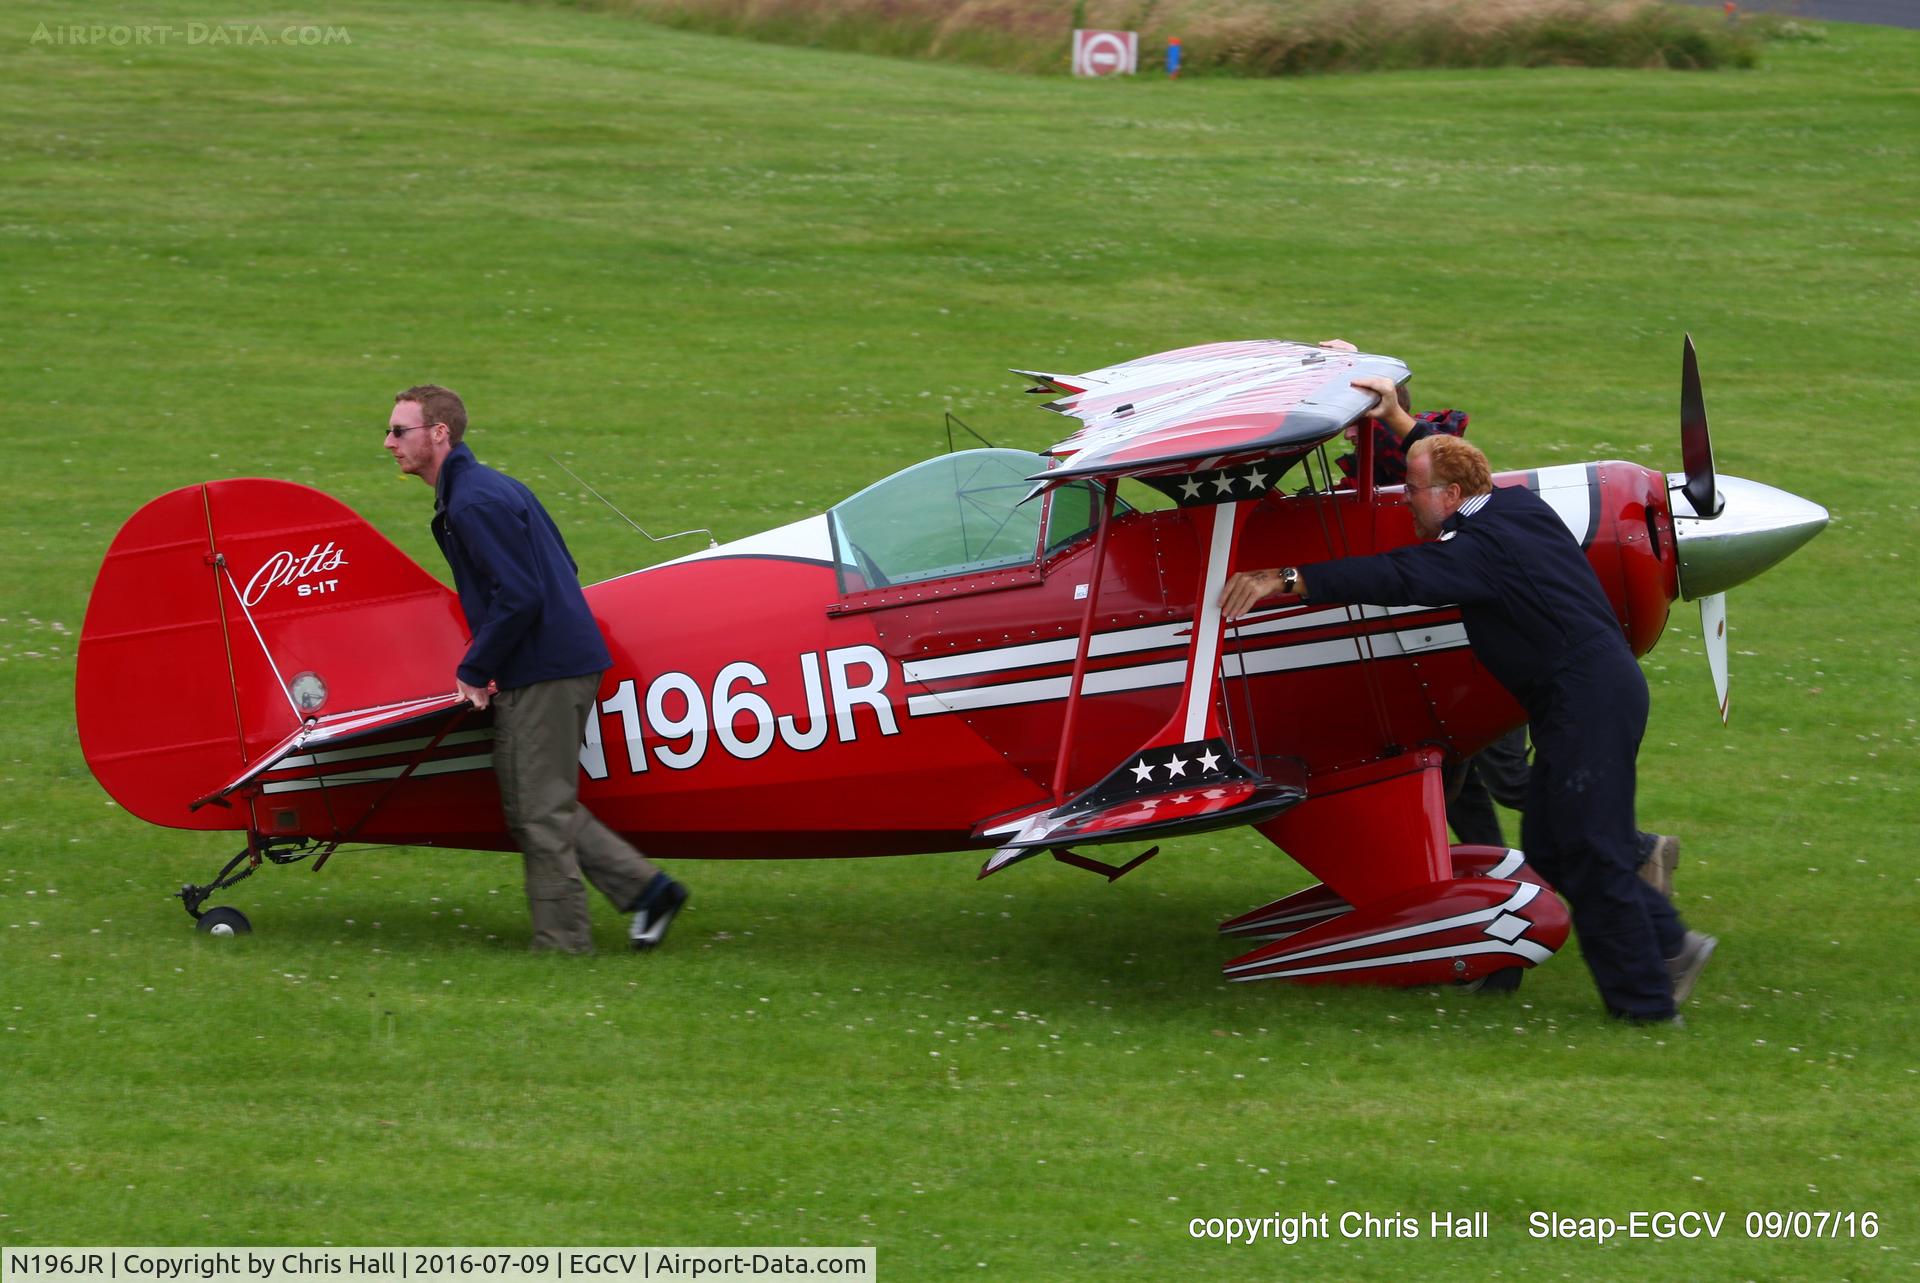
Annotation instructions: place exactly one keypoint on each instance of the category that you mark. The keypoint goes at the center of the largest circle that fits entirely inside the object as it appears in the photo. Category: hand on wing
(476, 695)
(1246, 589)
(1338, 345)
(1386, 405)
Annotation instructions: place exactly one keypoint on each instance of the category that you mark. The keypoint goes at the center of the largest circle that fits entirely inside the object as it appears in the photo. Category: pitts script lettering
(289, 568)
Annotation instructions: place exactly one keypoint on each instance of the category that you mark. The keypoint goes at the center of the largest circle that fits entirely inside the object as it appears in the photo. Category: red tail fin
(213, 606)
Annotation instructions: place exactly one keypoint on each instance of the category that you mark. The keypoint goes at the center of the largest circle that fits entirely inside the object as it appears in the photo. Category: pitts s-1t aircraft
(989, 649)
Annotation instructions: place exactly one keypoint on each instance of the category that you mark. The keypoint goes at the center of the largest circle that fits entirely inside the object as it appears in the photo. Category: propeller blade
(1713, 626)
(1696, 446)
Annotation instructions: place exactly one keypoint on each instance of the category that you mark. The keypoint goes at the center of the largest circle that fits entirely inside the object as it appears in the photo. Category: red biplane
(990, 649)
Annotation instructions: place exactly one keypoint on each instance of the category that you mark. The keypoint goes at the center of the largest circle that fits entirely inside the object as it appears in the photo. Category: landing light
(309, 692)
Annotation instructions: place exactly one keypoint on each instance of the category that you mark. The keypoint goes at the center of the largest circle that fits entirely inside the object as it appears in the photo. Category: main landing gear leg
(1398, 905)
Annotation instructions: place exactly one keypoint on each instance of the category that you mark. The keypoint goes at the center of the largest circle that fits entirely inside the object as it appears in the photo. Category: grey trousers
(536, 756)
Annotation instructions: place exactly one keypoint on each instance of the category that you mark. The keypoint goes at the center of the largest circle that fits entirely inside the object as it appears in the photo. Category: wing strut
(1187, 778)
(1063, 757)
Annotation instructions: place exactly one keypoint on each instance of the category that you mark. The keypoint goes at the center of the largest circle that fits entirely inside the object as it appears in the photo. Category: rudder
(212, 600)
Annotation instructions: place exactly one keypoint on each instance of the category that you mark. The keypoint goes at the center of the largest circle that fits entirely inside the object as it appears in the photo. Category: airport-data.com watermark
(202, 35)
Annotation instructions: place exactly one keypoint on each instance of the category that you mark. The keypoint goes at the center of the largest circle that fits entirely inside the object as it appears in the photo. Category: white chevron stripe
(1523, 949)
(1523, 895)
(1508, 863)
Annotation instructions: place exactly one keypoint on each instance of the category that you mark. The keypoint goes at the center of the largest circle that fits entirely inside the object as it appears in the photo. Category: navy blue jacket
(1527, 594)
(518, 584)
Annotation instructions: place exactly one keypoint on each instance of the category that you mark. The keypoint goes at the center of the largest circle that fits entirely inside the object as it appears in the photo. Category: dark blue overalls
(1539, 621)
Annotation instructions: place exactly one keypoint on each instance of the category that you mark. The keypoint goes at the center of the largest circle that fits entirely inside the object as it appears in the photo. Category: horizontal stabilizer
(356, 734)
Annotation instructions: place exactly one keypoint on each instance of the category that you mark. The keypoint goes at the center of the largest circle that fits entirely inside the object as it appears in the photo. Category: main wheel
(1505, 980)
(224, 921)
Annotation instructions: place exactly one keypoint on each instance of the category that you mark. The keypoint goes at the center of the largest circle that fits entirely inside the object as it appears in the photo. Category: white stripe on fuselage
(1299, 655)
(1567, 490)
(1121, 641)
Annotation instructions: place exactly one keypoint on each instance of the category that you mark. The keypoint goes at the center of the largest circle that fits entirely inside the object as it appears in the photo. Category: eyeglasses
(401, 432)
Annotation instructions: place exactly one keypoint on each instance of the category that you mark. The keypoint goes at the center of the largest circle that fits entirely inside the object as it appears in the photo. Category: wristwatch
(1289, 579)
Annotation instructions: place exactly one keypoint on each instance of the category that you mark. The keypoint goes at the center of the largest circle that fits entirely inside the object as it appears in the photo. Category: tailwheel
(224, 921)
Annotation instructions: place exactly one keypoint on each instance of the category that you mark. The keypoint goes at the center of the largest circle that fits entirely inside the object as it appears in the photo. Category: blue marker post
(1173, 59)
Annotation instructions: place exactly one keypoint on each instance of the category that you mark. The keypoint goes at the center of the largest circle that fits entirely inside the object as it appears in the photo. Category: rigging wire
(697, 530)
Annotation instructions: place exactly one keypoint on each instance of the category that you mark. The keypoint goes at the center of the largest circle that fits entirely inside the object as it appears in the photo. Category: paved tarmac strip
(1883, 13)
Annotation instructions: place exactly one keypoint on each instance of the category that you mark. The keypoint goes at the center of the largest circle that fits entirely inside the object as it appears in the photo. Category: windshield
(954, 515)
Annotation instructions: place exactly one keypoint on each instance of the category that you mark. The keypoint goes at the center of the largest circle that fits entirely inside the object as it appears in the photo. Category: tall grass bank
(1242, 37)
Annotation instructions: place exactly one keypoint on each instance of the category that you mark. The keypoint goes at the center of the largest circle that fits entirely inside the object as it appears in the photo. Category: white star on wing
(1209, 760)
(1223, 483)
(1256, 479)
(1190, 489)
(1142, 772)
(1176, 767)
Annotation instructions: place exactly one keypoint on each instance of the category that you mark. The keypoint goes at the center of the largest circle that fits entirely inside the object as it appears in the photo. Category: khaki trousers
(536, 756)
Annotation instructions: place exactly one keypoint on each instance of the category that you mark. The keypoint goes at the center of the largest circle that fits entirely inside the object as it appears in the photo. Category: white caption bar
(430, 1264)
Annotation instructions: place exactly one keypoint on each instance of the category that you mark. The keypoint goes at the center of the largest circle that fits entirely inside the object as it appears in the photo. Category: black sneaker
(654, 914)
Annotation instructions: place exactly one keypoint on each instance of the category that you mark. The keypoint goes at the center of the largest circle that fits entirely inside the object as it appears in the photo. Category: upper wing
(1207, 406)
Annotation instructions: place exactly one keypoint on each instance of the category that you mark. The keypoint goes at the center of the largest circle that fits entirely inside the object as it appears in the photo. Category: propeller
(1713, 626)
(1696, 457)
(1696, 446)
(1727, 529)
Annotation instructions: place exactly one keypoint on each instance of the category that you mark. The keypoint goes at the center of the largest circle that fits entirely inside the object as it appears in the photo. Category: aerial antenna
(952, 419)
(697, 530)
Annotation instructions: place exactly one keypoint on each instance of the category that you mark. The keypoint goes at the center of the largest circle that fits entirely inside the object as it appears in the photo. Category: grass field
(734, 283)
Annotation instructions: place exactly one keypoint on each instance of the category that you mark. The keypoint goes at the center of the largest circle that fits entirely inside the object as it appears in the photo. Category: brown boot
(1657, 869)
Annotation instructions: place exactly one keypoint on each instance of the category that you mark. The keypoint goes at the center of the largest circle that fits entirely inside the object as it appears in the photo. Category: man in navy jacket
(1538, 619)
(536, 659)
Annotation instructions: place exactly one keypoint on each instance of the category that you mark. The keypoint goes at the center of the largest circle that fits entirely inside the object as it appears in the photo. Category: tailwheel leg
(227, 921)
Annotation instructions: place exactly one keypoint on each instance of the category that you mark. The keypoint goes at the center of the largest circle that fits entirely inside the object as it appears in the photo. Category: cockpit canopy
(956, 515)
